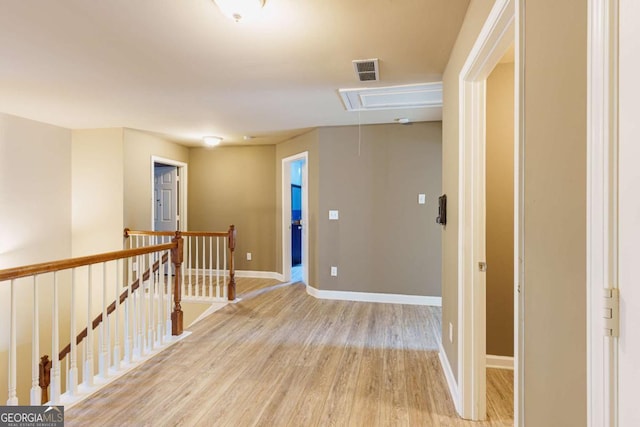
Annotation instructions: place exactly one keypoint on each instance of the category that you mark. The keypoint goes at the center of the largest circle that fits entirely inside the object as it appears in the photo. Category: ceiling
(181, 69)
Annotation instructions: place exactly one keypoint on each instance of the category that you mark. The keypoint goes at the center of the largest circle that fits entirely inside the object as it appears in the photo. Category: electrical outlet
(422, 199)
(334, 271)
(248, 256)
(334, 215)
(450, 332)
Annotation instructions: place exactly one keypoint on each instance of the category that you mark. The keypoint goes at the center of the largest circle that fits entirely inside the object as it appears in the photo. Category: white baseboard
(242, 273)
(499, 362)
(374, 297)
(451, 379)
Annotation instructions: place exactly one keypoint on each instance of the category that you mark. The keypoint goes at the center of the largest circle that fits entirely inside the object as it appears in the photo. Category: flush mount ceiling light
(239, 10)
(212, 141)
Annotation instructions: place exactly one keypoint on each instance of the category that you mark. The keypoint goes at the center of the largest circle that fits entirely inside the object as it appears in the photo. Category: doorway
(500, 31)
(295, 214)
(168, 194)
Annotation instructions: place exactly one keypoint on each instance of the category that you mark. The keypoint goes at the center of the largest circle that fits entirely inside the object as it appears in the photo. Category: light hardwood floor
(280, 357)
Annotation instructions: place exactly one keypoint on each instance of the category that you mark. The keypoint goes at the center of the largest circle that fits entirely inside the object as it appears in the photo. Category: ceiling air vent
(367, 70)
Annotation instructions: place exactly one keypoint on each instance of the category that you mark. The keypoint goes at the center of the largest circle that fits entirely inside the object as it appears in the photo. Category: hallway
(281, 357)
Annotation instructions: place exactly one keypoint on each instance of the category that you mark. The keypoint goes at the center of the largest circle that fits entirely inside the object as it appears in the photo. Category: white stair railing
(207, 271)
(129, 300)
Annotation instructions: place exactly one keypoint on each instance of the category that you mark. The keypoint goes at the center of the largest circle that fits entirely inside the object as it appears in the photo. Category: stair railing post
(176, 259)
(232, 272)
(45, 378)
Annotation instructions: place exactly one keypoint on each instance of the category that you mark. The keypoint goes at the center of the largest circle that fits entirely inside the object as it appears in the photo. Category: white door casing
(497, 34)
(602, 221)
(628, 350)
(286, 215)
(181, 201)
(165, 194)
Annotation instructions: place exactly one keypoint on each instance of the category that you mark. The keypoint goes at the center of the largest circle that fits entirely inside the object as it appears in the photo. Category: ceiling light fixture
(212, 141)
(239, 10)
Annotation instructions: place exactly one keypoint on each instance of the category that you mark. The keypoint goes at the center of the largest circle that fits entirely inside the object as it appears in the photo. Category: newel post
(176, 258)
(231, 292)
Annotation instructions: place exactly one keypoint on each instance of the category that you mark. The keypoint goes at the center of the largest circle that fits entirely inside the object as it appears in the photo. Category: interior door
(629, 214)
(165, 215)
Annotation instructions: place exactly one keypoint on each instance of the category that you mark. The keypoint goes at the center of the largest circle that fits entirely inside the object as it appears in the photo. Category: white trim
(601, 207)
(451, 379)
(239, 273)
(499, 362)
(286, 215)
(182, 185)
(494, 39)
(374, 297)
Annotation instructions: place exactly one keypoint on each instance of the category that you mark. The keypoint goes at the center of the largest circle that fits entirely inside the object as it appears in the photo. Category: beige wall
(476, 15)
(97, 190)
(384, 240)
(499, 210)
(309, 142)
(35, 225)
(139, 147)
(236, 185)
(555, 213)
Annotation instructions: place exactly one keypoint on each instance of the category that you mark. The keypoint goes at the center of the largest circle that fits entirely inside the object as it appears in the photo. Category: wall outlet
(333, 215)
(422, 199)
(248, 256)
(450, 332)
(334, 271)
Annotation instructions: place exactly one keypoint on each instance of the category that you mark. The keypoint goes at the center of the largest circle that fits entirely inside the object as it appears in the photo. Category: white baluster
(128, 341)
(142, 307)
(116, 332)
(55, 360)
(210, 266)
(204, 251)
(169, 294)
(197, 273)
(160, 293)
(189, 266)
(151, 322)
(135, 308)
(217, 267)
(13, 362)
(225, 290)
(72, 377)
(35, 349)
(183, 267)
(104, 339)
(87, 375)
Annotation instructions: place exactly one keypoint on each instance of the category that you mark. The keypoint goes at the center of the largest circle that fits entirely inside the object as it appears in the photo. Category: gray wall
(499, 175)
(384, 240)
(236, 185)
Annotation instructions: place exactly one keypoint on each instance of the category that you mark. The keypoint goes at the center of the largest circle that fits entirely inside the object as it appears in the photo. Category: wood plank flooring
(280, 357)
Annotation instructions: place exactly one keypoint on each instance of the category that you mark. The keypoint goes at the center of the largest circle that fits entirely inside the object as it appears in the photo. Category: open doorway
(169, 195)
(295, 214)
(500, 31)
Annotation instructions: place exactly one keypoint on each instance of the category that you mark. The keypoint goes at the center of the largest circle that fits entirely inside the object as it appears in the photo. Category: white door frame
(182, 189)
(602, 172)
(286, 215)
(498, 32)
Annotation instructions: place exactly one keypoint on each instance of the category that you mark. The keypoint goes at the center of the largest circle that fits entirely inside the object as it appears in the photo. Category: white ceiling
(180, 68)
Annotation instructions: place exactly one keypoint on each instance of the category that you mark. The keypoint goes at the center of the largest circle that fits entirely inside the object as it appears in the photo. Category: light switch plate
(333, 215)
(248, 256)
(422, 199)
(334, 271)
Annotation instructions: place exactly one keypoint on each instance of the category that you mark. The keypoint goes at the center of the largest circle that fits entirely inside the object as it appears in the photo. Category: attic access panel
(423, 95)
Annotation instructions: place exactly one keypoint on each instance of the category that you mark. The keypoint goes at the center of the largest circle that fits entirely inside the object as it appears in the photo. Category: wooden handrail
(128, 233)
(49, 267)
